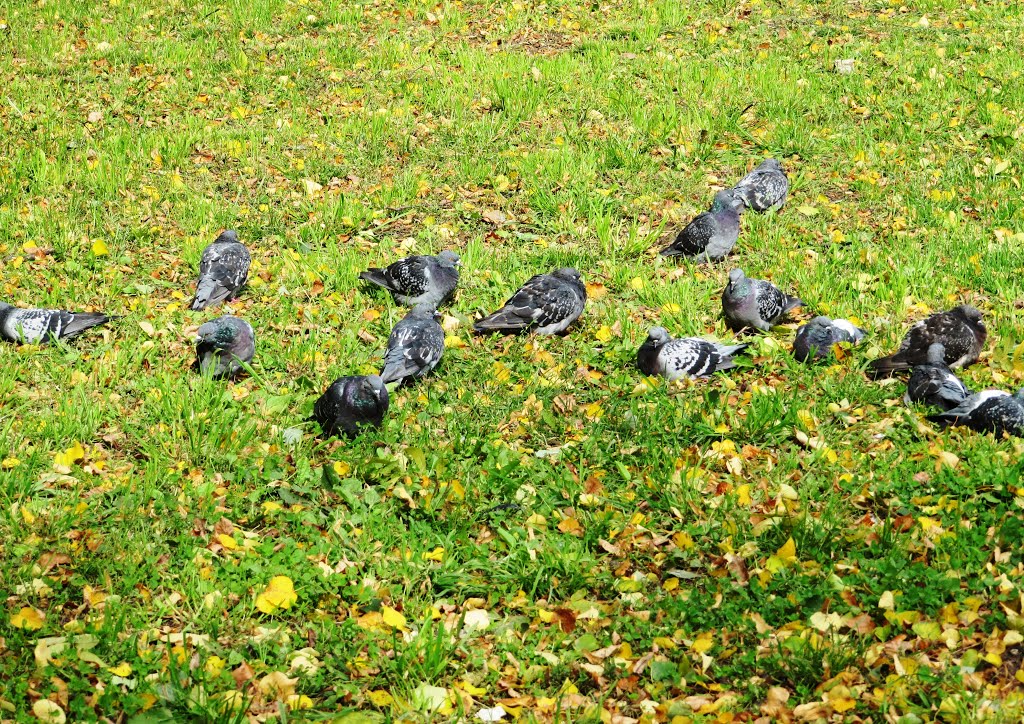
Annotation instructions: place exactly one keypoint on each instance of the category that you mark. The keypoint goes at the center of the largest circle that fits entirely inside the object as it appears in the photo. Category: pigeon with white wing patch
(38, 326)
(683, 357)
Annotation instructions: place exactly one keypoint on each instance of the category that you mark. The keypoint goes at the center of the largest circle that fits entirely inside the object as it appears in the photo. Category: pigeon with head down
(960, 331)
(933, 382)
(224, 345)
(223, 270)
(815, 339)
(545, 304)
(350, 404)
(989, 411)
(754, 303)
(764, 188)
(414, 347)
(683, 357)
(429, 280)
(710, 236)
(38, 326)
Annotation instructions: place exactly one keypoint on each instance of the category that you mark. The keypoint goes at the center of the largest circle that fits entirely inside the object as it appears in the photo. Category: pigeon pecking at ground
(223, 270)
(754, 303)
(933, 383)
(414, 347)
(351, 403)
(36, 326)
(419, 279)
(989, 411)
(960, 331)
(684, 357)
(712, 234)
(223, 345)
(546, 304)
(815, 339)
(765, 187)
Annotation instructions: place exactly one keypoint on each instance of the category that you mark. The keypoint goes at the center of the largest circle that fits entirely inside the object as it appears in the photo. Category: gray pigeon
(933, 383)
(814, 340)
(350, 403)
(690, 357)
(36, 326)
(223, 345)
(223, 270)
(712, 234)
(415, 345)
(546, 304)
(989, 411)
(419, 279)
(754, 302)
(960, 331)
(765, 187)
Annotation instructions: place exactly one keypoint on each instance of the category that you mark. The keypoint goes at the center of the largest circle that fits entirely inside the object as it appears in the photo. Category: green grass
(335, 136)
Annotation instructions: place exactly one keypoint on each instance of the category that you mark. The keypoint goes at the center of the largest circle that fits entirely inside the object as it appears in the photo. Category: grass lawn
(535, 526)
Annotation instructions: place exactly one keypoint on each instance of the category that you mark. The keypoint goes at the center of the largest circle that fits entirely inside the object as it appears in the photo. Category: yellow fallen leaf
(380, 698)
(703, 642)
(10, 463)
(70, 456)
(279, 595)
(435, 555)
(227, 541)
(604, 334)
(342, 468)
(843, 704)
(788, 551)
(743, 494)
(299, 701)
(123, 669)
(99, 248)
(277, 685)
(213, 666)
(28, 618)
(49, 712)
(392, 618)
(271, 506)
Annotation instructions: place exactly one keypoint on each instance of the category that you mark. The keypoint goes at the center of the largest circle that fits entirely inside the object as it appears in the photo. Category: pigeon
(222, 271)
(37, 326)
(814, 340)
(754, 302)
(419, 279)
(933, 383)
(414, 347)
(350, 403)
(765, 187)
(712, 234)
(989, 411)
(224, 345)
(547, 304)
(960, 331)
(689, 357)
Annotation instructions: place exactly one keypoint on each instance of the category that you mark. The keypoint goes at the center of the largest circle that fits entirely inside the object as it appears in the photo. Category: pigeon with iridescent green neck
(224, 345)
(351, 403)
(712, 234)
(754, 303)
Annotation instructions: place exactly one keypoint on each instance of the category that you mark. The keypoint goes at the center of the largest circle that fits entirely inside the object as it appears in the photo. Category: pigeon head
(727, 199)
(228, 236)
(425, 311)
(770, 164)
(937, 354)
(568, 274)
(449, 258)
(971, 314)
(657, 336)
(736, 276)
(821, 322)
(216, 331)
(373, 385)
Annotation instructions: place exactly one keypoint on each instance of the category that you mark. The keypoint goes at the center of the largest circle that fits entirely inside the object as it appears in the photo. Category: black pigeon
(712, 234)
(754, 303)
(765, 187)
(933, 383)
(351, 403)
(815, 339)
(419, 279)
(989, 411)
(546, 304)
(684, 357)
(960, 331)
(222, 271)
(224, 345)
(414, 347)
(37, 326)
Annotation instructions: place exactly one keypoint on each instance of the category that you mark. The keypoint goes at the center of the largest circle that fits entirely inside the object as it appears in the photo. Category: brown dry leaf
(566, 619)
(242, 673)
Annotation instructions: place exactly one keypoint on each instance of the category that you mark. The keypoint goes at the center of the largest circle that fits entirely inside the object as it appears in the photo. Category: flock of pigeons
(550, 303)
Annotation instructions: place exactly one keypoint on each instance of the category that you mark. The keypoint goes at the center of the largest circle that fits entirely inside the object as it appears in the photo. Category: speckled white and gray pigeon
(765, 187)
(960, 331)
(712, 234)
(419, 279)
(989, 411)
(223, 345)
(815, 339)
(351, 403)
(754, 303)
(546, 304)
(414, 347)
(37, 326)
(683, 357)
(933, 383)
(223, 270)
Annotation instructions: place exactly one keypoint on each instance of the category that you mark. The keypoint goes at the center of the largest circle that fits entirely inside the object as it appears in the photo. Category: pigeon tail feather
(83, 321)
(375, 276)
(503, 319)
(792, 303)
(886, 366)
(209, 294)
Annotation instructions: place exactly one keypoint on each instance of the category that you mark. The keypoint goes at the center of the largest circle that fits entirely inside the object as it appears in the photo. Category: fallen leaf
(28, 618)
(279, 595)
